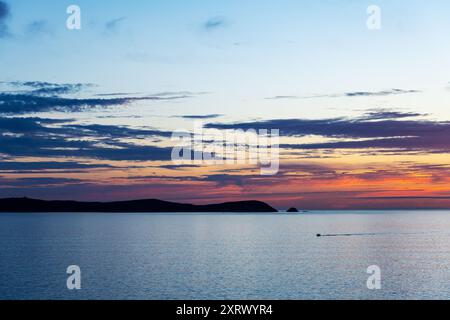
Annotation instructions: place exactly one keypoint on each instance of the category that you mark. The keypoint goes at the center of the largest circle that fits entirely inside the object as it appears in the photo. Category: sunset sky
(364, 115)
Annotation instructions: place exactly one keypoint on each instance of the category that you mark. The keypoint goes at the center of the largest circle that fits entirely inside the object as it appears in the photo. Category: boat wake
(369, 234)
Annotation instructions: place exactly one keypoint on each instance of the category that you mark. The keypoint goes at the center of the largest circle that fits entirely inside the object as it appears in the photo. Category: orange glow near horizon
(352, 181)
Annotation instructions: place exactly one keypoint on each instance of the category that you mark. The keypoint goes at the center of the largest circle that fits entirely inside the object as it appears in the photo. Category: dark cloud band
(385, 129)
(39, 96)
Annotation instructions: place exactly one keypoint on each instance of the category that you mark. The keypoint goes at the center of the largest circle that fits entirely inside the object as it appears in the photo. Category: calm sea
(226, 256)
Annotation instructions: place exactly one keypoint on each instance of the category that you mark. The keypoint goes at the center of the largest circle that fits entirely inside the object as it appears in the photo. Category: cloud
(390, 131)
(28, 125)
(214, 23)
(37, 181)
(22, 167)
(115, 94)
(67, 128)
(38, 145)
(283, 98)
(48, 88)
(348, 94)
(207, 116)
(380, 93)
(175, 94)
(38, 27)
(4, 15)
(406, 198)
(113, 26)
(383, 114)
(179, 167)
(252, 178)
(37, 96)
(36, 137)
(111, 131)
(157, 96)
(28, 103)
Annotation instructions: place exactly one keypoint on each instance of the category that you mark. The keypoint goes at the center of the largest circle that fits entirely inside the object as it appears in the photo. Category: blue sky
(258, 49)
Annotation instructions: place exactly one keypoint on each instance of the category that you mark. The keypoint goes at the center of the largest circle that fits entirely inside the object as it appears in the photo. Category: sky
(363, 114)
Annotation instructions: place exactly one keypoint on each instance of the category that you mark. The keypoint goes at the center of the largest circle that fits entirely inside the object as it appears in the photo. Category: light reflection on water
(226, 256)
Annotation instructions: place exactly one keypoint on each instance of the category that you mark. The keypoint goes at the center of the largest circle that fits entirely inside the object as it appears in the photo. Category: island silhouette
(149, 205)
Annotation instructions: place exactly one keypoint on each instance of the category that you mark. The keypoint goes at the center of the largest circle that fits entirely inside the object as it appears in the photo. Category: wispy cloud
(179, 167)
(113, 26)
(348, 94)
(48, 88)
(26, 103)
(383, 114)
(283, 98)
(214, 23)
(175, 94)
(200, 117)
(116, 94)
(38, 27)
(37, 181)
(21, 167)
(379, 93)
(37, 96)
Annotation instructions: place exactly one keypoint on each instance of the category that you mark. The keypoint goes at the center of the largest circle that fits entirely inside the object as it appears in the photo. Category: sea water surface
(226, 256)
